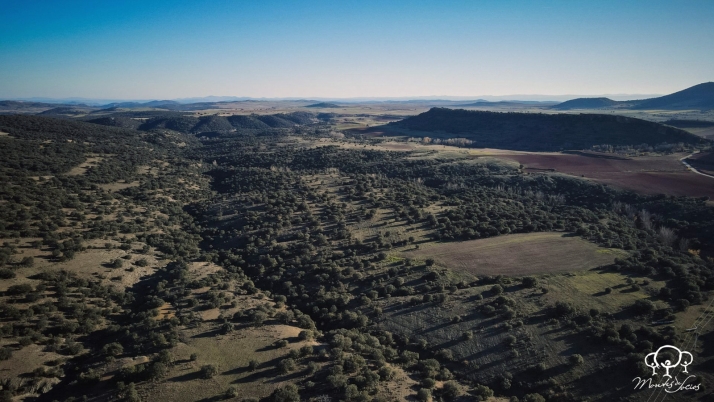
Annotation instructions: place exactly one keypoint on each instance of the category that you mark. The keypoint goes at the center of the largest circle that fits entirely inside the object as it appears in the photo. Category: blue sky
(173, 49)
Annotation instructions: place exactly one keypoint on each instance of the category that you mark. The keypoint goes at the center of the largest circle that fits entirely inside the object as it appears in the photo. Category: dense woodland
(281, 218)
(545, 132)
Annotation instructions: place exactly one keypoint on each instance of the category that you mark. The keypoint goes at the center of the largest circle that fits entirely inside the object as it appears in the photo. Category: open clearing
(644, 174)
(520, 254)
(82, 167)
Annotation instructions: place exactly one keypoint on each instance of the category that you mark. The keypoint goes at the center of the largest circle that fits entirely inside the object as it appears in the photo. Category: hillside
(697, 97)
(162, 266)
(188, 124)
(124, 122)
(546, 132)
(585, 103)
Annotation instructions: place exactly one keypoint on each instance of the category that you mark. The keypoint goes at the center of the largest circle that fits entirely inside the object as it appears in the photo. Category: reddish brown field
(646, 174)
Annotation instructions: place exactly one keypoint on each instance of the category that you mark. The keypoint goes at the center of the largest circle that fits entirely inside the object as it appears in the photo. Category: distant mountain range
(697, 97)
(324, 105)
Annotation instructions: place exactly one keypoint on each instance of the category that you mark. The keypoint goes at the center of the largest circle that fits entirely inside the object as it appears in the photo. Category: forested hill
(186, 123)
(585, 103)
(545, 132)
(697, 97)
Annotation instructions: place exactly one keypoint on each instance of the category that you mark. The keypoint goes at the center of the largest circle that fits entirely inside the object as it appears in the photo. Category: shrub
(288, 393)
(253, 365)
(424, 395)
(7, 273)
(483, 392)
(209, 371)
(576, 360)
(451, 390)
(643, 306)
(533, 398)
(113, 349)
(231, 393)
(287, 365)
(5, 353)
(530, 282)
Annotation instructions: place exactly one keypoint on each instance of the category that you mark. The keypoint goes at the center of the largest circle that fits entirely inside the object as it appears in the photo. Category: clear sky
(173, 49)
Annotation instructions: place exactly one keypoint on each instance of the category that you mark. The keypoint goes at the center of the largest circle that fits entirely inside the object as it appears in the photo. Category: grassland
(519, 254)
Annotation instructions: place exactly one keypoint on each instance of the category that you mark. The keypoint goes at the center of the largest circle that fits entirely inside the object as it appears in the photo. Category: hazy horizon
(228, 98)
(336, 50)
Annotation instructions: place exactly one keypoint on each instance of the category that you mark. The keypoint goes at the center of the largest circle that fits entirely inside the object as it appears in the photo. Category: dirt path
(692, 169)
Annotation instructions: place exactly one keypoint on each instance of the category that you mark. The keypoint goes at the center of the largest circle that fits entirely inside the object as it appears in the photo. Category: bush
(288, 393)
(209, 371)
(576, 359)
(287, 365)
(483, 392)
(424, 395)
(530, 282)
(451, 390)
(7, 273)
(533, 398)
(5, 353)
(253, 365)
(643, 307)
(231, 393)
(113, 349)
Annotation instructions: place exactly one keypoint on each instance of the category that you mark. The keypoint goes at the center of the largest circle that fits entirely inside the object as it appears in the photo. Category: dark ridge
(47, 128)
(155, 103)
(324, 105)
(18, 105)
(65, 110)
(697, 97)
(212, 124)
(240, 122)
(536, 131)
(500, 103)
(326, 116)
(689, 123)
(585, 103)
(184, 124)
(299, 117)
(124, 122)
(275, 121)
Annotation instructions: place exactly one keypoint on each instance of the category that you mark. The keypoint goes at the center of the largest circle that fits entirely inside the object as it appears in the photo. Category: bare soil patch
(520, 254)
(118, 186)
(82, 168)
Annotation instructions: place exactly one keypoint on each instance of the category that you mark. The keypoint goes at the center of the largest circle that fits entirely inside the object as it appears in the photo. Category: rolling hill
(547, 132)
(585, 103)
(697, 97)
(188, 124)
(324, 105)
